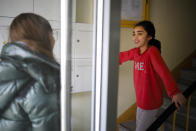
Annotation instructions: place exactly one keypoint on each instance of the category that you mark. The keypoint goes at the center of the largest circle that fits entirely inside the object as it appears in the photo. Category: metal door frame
(65, 95)
(105, 61)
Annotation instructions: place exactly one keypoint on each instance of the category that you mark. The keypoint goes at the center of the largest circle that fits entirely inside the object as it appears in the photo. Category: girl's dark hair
(34, 29)
(150, 29)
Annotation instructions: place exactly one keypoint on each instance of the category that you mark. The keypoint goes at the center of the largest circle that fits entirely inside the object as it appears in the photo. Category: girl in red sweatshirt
(150, 71)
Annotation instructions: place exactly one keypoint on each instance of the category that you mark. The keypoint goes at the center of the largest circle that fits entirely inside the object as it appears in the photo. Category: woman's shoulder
(41, 100)
(9, 71)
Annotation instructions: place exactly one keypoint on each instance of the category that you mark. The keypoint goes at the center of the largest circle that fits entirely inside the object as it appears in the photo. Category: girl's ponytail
(156, 43)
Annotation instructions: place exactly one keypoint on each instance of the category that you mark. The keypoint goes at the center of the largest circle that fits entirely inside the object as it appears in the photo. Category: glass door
(90, 33)
(76, 62)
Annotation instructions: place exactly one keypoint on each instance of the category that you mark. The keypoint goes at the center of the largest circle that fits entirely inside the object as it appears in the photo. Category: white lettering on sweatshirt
(139, 66)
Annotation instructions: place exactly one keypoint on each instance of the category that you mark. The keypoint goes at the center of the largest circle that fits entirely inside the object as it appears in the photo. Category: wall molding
(129, 114)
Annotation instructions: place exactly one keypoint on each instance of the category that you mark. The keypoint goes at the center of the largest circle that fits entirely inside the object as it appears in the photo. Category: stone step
(181, 114)
(181, 119)
(127, 126)
(188, 74)
(184, 81)
(194, 61)
(193, 101)
(183, 111)
(167, 102)
(131, 125)
(169, 127)
(184, 84)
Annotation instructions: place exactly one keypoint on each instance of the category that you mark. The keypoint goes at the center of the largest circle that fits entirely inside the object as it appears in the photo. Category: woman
(29, 77)
(149, 72)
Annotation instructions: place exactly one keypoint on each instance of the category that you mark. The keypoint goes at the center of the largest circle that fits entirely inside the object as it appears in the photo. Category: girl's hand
(179, 100)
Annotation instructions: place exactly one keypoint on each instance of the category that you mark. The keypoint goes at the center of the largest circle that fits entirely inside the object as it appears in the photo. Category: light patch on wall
(3, 36)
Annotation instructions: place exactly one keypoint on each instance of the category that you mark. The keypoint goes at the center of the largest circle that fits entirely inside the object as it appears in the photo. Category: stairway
(187, 76)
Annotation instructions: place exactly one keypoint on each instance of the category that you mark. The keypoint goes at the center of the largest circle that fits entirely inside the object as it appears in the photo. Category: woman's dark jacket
(29, 90)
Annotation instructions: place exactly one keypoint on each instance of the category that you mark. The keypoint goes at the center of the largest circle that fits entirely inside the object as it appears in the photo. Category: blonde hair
(34, 31)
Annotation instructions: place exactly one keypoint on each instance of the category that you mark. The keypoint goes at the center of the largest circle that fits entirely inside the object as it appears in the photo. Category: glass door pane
(85, 59)
(81, 57)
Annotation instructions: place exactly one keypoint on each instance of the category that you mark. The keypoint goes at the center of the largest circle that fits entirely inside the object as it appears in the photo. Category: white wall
(126, 95)
(175, 23)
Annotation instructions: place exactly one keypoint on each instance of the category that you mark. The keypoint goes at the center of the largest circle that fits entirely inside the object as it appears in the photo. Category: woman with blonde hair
(29, 77)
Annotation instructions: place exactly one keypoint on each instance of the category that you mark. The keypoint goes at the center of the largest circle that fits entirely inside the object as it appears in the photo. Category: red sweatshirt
(149, 72)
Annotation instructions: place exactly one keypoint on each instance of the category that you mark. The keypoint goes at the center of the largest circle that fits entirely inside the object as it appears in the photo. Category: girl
(149, 72)
(29, 77)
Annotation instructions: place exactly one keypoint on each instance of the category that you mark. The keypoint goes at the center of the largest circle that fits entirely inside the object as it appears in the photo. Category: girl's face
(140, 37)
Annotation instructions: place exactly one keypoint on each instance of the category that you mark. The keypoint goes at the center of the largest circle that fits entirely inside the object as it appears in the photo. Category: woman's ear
(51, 37)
